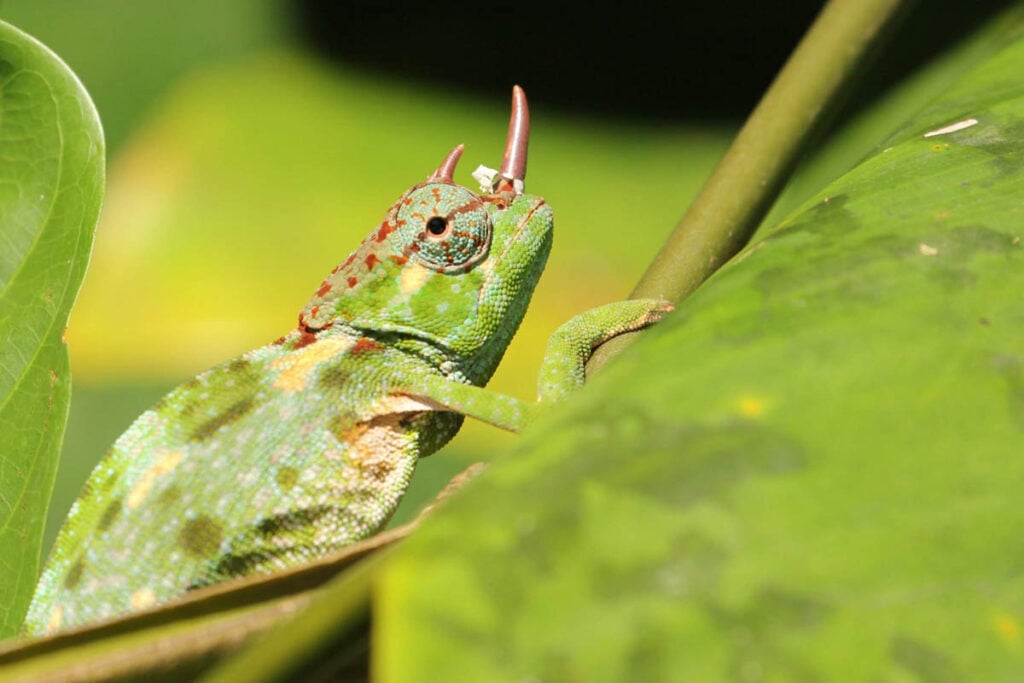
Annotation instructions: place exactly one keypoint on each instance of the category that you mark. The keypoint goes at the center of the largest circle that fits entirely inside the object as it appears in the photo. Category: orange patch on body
(377, 448)
(296, 367)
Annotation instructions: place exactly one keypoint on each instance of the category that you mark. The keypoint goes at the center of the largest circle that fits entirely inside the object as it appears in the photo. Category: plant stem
(741, 189)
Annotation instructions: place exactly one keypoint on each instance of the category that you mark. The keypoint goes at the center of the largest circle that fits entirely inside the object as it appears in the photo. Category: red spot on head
(384, 230)
(352, 282)
(347, 263)
(399, 259)
(324, 288)
(305, 327)
(371, 261)
(305, 339)
(279, 340)
(365, 345)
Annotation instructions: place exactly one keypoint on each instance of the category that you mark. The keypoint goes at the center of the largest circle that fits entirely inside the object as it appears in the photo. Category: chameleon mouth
(514, 240)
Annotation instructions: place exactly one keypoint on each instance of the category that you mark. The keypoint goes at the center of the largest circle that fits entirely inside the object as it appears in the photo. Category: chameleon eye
(444, 227)
(437, 226)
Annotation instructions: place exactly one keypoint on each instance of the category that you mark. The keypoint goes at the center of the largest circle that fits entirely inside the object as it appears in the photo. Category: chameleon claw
(513, 164)
(446, 170)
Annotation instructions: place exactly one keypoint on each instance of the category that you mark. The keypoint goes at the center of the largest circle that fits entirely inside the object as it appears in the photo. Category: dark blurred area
(680, 61)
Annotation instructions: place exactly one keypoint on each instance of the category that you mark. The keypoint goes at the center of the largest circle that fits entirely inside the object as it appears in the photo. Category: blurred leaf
(860, 138)
(811, 468)
(128, 52)
(51, 186)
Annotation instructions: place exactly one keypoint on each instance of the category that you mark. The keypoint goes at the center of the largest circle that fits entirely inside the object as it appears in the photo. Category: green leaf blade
(51, 186)
(812, 467)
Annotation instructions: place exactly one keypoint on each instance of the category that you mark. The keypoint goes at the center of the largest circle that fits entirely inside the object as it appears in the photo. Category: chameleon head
(448, 266)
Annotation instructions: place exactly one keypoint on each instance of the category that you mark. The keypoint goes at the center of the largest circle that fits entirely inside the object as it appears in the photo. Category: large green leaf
(809, 471)
(51, 185)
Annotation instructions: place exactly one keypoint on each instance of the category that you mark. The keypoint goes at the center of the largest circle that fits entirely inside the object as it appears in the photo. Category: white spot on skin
(442, 307)
(952, 128)
(927, 250)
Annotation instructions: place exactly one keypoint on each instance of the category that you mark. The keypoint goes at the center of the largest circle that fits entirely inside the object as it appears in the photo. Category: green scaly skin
(305, 445)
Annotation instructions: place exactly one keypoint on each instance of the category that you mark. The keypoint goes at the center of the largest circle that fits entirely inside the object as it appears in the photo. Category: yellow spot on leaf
(1008, 629)
(751, 406)
(162, 466)
(296, 367)
(143, 598)
(927, 250)
(412, 278)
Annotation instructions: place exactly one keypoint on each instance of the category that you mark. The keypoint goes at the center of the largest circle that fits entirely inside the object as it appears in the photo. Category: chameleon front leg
(570, 347)
(562, 370)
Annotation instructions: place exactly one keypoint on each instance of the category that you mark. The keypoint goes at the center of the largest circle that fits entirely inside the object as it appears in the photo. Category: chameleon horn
(447, 168)
(513, 165)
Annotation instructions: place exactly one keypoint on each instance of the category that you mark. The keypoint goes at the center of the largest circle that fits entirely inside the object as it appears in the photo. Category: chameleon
(307, 444)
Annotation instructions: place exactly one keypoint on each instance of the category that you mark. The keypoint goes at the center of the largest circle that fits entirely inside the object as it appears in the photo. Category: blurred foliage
(126, 52)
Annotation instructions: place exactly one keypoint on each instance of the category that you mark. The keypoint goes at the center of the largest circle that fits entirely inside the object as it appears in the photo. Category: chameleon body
(307, 444)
